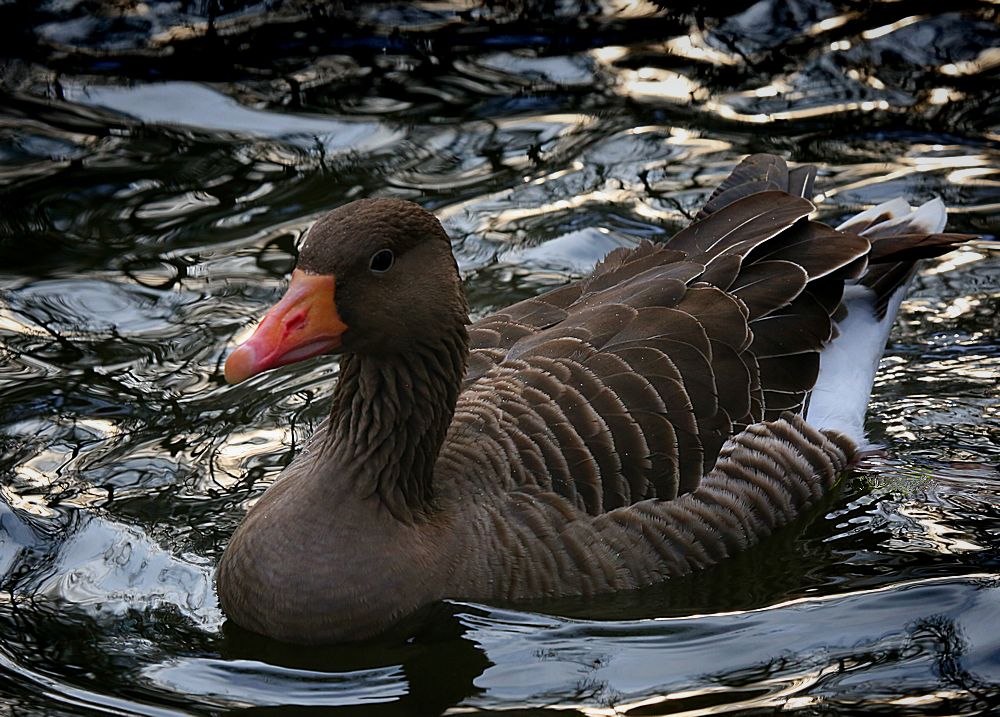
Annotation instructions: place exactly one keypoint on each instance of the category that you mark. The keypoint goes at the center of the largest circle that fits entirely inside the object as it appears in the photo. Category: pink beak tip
(241, 364)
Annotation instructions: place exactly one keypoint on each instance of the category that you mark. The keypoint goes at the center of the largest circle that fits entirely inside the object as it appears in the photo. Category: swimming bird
(679, 404)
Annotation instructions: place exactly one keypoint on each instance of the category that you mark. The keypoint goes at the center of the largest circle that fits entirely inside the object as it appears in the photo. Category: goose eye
(382, 261)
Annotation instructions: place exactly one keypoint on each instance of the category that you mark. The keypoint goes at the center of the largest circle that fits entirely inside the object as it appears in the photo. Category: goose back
(625, 386)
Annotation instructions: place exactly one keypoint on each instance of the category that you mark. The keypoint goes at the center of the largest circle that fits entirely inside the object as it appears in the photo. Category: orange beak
(305, 323)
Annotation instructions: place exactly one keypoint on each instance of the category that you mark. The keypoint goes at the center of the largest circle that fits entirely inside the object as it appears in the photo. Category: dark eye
(382, 261)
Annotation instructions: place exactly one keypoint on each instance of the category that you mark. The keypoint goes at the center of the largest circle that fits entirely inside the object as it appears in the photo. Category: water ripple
(158, 166)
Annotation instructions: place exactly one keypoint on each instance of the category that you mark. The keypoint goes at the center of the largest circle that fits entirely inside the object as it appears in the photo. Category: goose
(679, 404)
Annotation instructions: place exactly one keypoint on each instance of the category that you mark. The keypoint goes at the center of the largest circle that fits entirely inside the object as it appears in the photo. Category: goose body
(675, 407)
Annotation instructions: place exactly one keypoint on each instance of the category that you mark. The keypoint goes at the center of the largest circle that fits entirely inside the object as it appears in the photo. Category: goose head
(376, 276)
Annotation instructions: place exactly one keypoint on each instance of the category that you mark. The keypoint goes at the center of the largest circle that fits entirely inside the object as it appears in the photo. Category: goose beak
(305, 323)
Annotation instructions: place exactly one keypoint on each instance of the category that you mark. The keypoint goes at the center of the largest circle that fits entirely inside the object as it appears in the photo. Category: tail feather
(887, 211)
(929, 218)
(900, 236)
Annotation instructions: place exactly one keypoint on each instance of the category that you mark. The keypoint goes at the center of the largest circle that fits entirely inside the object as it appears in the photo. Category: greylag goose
(681, 403)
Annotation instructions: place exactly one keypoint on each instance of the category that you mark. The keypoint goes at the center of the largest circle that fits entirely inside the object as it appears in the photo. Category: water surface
(159, 162)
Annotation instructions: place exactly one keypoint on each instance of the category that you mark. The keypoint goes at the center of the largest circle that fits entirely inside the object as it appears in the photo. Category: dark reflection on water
(158, 162)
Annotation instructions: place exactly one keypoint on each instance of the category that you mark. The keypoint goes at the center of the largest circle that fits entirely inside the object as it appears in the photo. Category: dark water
(155, 174)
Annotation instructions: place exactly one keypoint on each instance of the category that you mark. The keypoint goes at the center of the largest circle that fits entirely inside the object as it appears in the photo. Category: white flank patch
(848, 364)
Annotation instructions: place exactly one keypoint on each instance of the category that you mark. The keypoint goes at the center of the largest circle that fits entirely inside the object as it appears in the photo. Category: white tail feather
(847, 365)
(928, 218)
(894, 208)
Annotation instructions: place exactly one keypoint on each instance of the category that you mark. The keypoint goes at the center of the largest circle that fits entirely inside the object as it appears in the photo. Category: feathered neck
(390, 416)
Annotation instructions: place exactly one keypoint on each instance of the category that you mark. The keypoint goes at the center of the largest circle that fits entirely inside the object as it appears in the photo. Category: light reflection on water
(145, 225)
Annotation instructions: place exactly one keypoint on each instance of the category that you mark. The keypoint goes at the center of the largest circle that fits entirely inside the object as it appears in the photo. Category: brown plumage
(636, 425)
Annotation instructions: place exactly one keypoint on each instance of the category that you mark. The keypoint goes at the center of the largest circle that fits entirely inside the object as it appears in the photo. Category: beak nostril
(296, 322)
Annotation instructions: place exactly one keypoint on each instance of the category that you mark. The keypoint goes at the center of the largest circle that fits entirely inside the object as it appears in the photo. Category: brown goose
(679, 404)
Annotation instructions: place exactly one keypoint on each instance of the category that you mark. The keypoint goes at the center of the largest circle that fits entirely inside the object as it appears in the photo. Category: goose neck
(390, 416)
